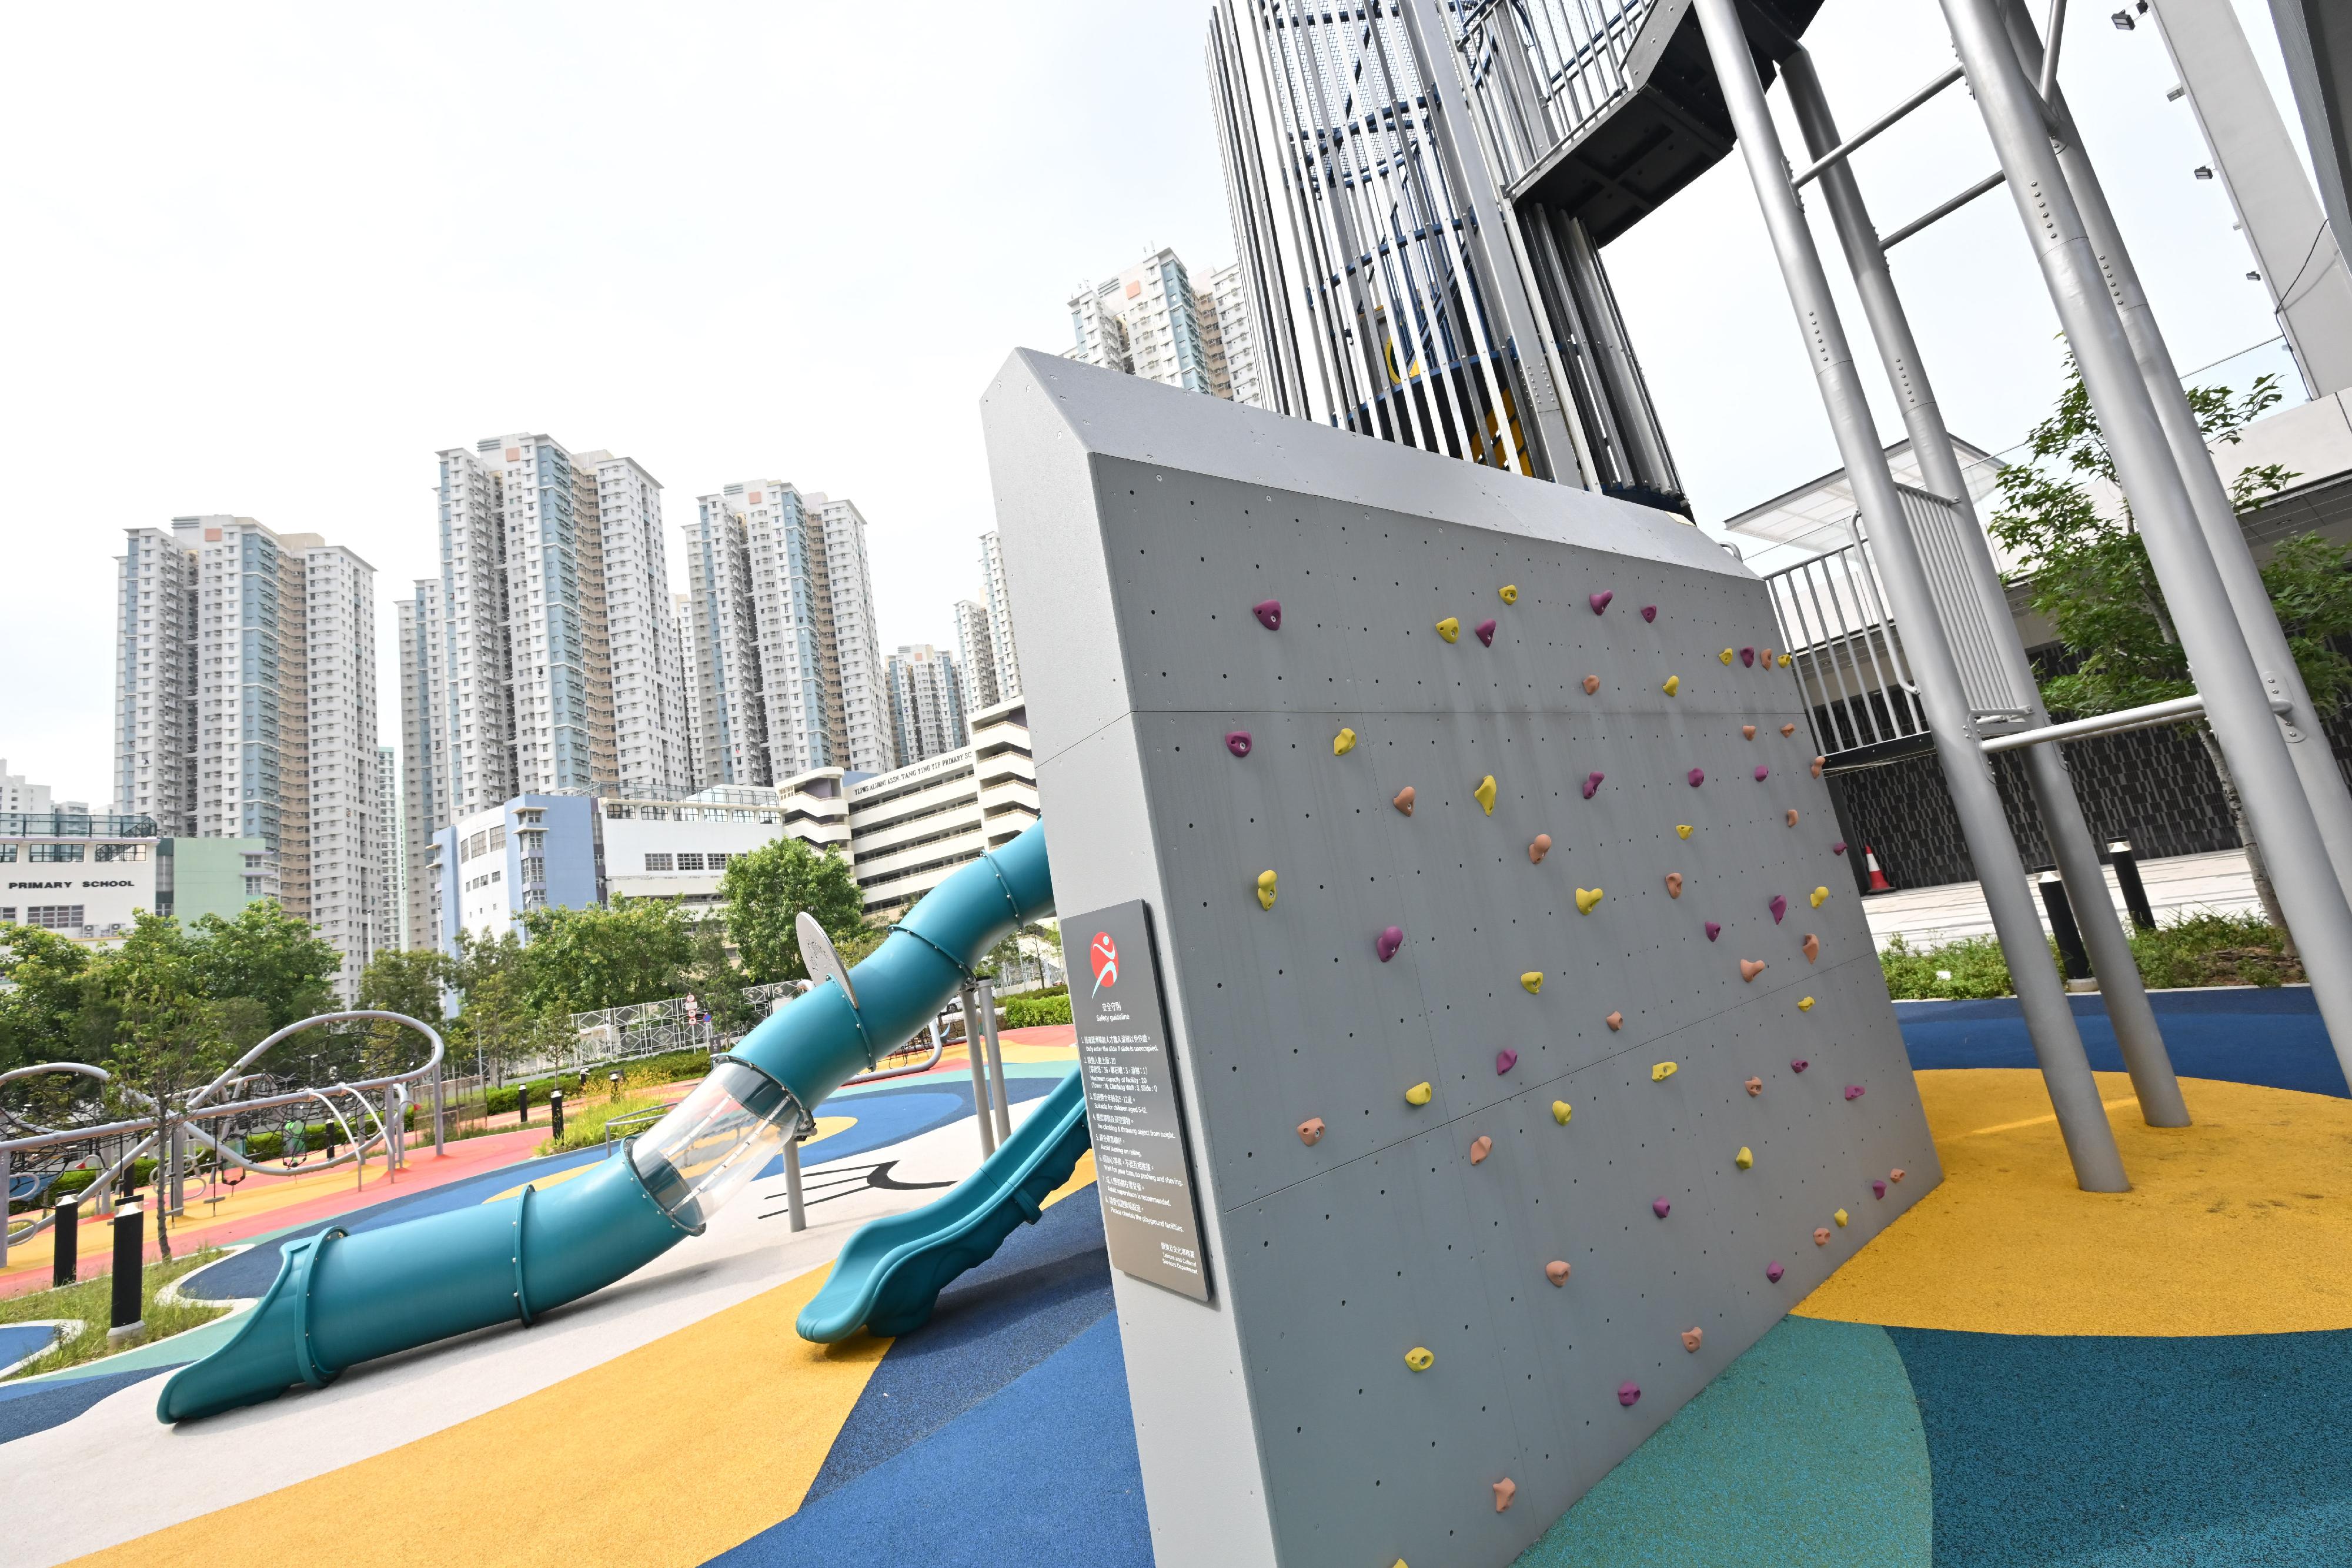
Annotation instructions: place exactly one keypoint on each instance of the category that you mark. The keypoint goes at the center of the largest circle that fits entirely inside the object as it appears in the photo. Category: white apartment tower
(975, 656)
(1159, 334)
(927, 709)
(786, 667)
(1000, 617)
(245, 707)
(545, 657)
(1233, 350)
(392, 880)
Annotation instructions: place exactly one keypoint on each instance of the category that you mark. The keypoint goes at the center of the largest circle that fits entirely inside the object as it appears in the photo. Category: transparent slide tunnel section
(696, 1159)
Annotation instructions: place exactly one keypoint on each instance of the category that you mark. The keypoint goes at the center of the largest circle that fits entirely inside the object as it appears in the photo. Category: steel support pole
(2073, 1094)
(2236, 703)
(2250, 602)
(1001, 1102)
(2070, 844)
(7, 1203)
(795, 1205)
(975, 1046)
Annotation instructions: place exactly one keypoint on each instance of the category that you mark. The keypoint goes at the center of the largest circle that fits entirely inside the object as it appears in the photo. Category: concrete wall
(1280, 1423)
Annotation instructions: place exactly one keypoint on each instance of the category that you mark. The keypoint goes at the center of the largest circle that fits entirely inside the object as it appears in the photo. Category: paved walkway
(2183, 885)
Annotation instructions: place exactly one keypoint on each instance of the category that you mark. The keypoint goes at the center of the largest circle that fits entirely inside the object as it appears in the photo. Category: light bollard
(130, 1242)
(555, 1113)
(66, 1233)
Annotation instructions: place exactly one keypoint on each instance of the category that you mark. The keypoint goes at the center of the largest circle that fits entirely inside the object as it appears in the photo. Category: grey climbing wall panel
(1280, 1423)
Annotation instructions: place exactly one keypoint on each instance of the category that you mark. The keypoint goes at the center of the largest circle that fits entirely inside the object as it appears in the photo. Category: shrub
(1976, 967)
(1030, 1011)
(2206, 949)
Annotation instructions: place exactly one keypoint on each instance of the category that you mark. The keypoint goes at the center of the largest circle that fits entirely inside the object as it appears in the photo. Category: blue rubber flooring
(18, 1341)
(2098, 1452)
(29, 1407)
(2241, 1035)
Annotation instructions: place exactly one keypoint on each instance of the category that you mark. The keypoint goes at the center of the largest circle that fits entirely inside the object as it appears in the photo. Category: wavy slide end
(890, 1275)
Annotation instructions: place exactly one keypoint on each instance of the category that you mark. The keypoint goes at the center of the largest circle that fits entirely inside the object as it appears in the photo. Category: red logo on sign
(1105, 957)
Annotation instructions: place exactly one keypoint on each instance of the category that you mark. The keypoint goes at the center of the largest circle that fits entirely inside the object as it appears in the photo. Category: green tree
(2092, 580)
(166, 1040)
(497, 1021)
(715, 982)
(41, 975)
(267, 954)
(583, 960)
(407, 981)
(767, 888)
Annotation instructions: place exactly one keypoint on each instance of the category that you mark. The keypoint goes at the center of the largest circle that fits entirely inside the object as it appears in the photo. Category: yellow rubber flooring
(2241, 1224)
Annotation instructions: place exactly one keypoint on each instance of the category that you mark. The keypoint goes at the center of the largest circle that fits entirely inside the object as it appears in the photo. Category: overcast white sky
(269, 260)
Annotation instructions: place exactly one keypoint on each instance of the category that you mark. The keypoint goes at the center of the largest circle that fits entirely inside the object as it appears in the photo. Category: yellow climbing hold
(1586, 898)
(1449, 628)
(1726, 655)
(1805, 1005)
(1561, 1110)
(1744, 1158)
(1265, 890)
(1674, 684)
(1510, 591)
(1533, 981)
(1484, 794)
(1419, 1358)
(1784, 660)
(1821, 897)
(1663, 1070)
(1681, 830)
(1417, 1095)
(1344, 742)
(1840, 1217)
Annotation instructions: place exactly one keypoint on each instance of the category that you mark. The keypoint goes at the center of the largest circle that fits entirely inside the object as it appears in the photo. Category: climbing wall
(1535, 1054)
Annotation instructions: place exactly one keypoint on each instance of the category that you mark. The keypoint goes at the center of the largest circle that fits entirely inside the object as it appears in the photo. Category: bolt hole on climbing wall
(1529, 1065)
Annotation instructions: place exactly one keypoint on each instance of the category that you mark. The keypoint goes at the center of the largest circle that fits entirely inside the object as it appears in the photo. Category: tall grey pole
(1001, 1102)
(2071, 842)
(795, 1204)
(2307, 744)
(975, 1046)
(7, 1203)
(2236, 703)
(2073, 1094)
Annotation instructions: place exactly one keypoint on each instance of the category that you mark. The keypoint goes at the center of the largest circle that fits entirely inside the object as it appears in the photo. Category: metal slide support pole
(2250, 602)
(795, 1205)
(7, 1203)
(2070, 844)
(976, 1049)
(440, 1113)
(1002, 1102)
(2074, 1095)
(2236, 703)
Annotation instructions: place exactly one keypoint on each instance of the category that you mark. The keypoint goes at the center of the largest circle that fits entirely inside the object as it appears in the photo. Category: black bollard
(522, 1104)
(555, 1112)
(2075, 959)
(129, 1241)
(65, 1234)
(2121, 856)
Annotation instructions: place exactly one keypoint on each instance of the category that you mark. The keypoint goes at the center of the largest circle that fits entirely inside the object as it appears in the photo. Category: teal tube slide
(340, 1298)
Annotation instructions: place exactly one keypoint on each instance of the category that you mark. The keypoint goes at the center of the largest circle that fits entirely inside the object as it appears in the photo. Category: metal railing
(1543, 72)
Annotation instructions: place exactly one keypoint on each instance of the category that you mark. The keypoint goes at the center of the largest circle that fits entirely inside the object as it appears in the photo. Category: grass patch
(584, 1127)
(2194, 950)
(92, 1301)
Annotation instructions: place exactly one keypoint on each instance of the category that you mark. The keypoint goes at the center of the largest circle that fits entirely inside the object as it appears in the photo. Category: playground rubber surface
(2017, 1373)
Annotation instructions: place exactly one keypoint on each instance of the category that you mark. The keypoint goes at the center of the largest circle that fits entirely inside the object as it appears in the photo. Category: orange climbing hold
(1673, 885)
(1538, 849)
(1505, 1489)
(1787, 730)
(1591, 685)
(1310, 1131)
(1692, 1338)
(1754, 1086)
(1750, 968)
(1812, 947)
(1821, 1236)
(1403, 802)
(1747, 732)
(1817, 761)
(1895, 1175)
(1556, 1272)
(1616, 1020)
(1792, 816)
(1480, 1147)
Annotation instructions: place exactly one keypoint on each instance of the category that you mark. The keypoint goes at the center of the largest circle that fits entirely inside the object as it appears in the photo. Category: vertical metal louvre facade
(1353, 237)
(1542, 72)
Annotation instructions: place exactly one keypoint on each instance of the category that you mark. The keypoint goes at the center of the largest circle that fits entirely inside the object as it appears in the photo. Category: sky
(269, 260)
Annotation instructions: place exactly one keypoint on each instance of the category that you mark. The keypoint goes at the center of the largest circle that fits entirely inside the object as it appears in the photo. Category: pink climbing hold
(1762, 773)
(1697, 777)
(1600, 601)
(1629, 1395)
(1485, 632)
(1838, 848)
(1878, 1189)
(1388, 941)
(1713, 931)
(1592, 783)
(1269, 614)
(1774, 1271)
(1504, 1059)
(1660, 1207)
(1778, 906)
(1747, 657)
(1798, 1065)
(1854, 1091)
(1649, 612)
(1237, 741)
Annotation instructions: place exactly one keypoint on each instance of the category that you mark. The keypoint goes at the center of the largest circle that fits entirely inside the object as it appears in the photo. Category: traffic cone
(1878, 883)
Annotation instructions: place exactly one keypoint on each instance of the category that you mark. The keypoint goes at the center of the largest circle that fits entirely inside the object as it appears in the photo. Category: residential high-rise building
(975, 656)
(1007, 660)
(1382, 283)
(18, 793)
(786, 667)
(545, 656)
(927, 711)
(681, 611)
(1159, 333)
(247, 711)
(424, 748)
(391, 878)
(1234, 353)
